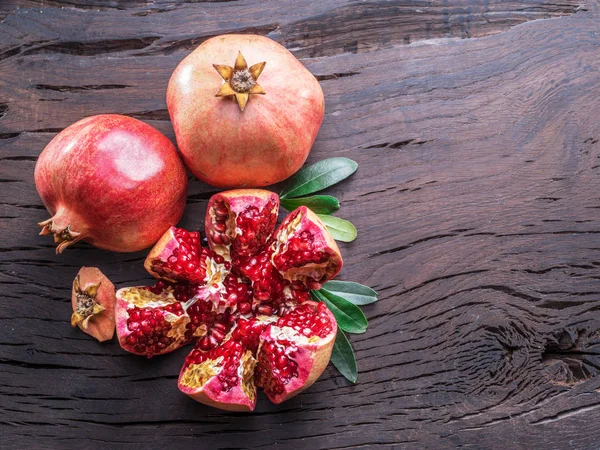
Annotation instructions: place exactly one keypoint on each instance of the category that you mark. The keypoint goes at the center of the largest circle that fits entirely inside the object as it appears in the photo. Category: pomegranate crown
(240, 80)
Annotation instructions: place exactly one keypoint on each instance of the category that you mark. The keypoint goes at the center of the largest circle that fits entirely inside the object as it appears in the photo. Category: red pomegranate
(245, 111)
(112, 181)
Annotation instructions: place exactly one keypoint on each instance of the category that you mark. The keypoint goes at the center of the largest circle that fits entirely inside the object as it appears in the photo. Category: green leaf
(356, 293)
(343, 357)
(319, 176)
(320, 204)
(340, 229)
(348, 316)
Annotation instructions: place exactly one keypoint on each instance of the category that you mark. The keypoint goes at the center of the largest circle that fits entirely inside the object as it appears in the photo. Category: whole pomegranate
(245, 300)
(112, 181)
(245, 111)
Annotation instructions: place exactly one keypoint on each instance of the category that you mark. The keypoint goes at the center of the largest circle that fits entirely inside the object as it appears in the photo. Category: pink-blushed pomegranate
(245, 300)
(245, 111)
(93, 299)
(112, 181)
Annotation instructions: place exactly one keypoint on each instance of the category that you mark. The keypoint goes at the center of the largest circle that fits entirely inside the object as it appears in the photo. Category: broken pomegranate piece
(224, 377)
(178, 256)
(295, 350)
(93, 299)
(246, 301)
(153, 320)
(240, 222)
(303, 249)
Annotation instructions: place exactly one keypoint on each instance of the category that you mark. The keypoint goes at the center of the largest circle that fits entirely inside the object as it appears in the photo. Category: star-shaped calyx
(240, 80)
(87, 306)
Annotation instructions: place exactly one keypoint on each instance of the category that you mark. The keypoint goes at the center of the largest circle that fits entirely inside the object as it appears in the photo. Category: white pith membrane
(312, 270)
(197, 375)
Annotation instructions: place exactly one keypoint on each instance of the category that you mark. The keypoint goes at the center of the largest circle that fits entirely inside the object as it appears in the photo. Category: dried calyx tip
(62, 236)
(86, 306)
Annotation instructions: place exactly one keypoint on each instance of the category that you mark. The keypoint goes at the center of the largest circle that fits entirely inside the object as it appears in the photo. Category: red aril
(112, 181)
(245, 111)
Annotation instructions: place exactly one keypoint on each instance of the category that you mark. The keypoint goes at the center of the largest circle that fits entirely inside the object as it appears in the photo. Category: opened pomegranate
(93, 299)
(112, 181)
(245, 111)
(245, 300)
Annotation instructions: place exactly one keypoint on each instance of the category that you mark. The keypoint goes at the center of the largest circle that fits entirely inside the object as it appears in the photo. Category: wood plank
(475, 200)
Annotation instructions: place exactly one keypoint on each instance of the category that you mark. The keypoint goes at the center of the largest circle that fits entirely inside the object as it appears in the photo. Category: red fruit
(304, 251)
(178, 256)
(112, 181)
(240, 222)
(153, 320)
(93, 299)
(256, 140)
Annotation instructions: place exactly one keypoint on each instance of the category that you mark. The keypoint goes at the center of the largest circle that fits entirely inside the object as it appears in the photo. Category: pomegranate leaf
(356, 293)
(340, 229)
(348, 316)
(320, 204)
(342, 357)
(319, 176)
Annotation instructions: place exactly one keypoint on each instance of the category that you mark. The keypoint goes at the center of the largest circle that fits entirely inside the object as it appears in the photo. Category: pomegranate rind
(236, 201)
(160, 252)
(312, 356)
(211, 392)
(122, 314)
(100, 326)
(303, 219)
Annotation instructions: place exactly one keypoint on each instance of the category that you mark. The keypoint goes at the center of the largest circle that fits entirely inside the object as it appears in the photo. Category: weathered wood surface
(475, 125)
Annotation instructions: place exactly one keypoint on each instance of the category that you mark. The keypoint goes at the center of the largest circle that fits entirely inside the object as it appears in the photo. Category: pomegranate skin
(263, 144)
(112, 181)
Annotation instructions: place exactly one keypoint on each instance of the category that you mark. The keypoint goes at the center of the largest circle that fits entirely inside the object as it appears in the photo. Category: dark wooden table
(476, 128)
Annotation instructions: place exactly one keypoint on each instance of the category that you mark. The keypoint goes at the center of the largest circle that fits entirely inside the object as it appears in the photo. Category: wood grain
(475, 126)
